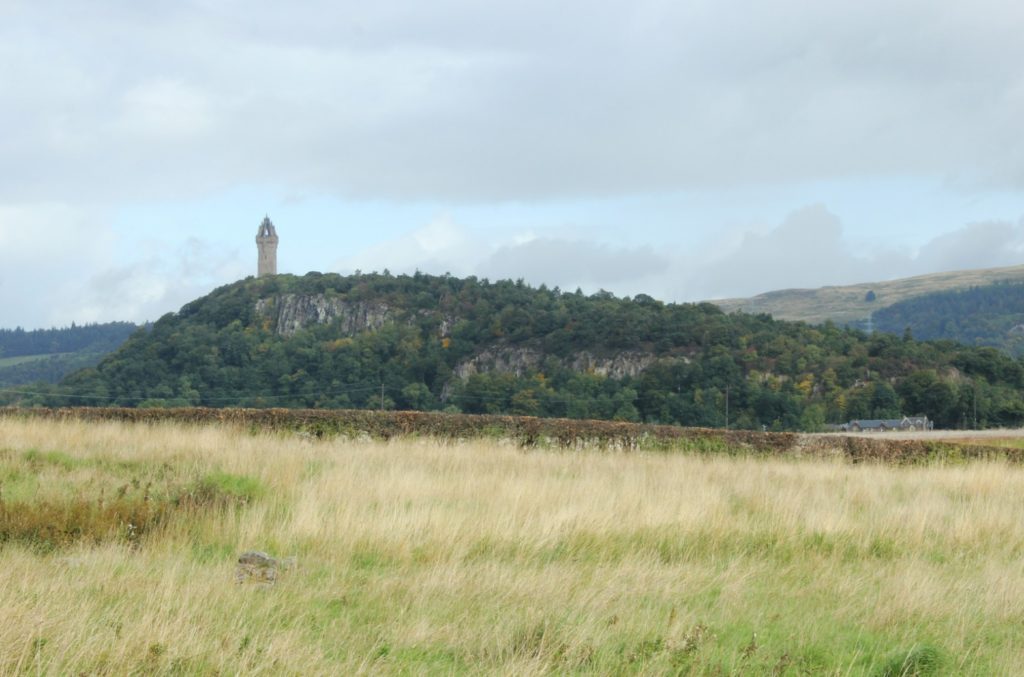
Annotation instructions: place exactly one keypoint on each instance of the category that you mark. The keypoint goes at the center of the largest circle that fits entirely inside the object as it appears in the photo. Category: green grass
(22, 359)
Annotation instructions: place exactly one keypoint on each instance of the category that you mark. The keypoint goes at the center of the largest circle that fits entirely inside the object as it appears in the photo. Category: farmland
(21, 359)
(421, 554)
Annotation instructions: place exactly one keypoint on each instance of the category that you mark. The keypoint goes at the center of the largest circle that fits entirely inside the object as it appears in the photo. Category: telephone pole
(975, 405)
(726, 407)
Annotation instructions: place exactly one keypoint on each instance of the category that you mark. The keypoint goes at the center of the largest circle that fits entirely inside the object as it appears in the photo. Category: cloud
(466, 102)
(59, 264)
(161, 282)
(167, 111)
(43, 247)
(978, 245)
(806, 249)
(573, 263)
(75, 273)
(445, 246)
(810, 248)
(111, 107)
(440, 246)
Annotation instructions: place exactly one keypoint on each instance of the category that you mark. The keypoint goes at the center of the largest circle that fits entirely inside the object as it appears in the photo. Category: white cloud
(440, 246)
(162, 281)
(810, 248)
(58, 265)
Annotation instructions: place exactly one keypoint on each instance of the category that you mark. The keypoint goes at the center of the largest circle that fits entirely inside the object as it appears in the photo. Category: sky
(685, 149)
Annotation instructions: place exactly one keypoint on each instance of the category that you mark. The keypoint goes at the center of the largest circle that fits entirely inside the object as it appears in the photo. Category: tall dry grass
(419, 557)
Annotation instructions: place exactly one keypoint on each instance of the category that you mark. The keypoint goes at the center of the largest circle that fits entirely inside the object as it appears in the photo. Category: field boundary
(530, 431)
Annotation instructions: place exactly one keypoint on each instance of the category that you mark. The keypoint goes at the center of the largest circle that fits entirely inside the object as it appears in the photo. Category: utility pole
(382, 395)
(726, 407)
(975, 405)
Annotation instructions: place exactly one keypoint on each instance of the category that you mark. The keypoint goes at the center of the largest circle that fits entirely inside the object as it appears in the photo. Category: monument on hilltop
(266, 242)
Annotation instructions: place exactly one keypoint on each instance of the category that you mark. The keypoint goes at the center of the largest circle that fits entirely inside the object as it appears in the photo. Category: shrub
(222, 489)
(919, 661)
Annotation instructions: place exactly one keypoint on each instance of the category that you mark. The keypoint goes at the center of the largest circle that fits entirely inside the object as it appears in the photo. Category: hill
(849, 304)
(440, 343)
(985, 316)
(48, 355)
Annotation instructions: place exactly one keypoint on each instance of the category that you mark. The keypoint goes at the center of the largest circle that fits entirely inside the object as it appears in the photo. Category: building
(266, 242)
(905, 424)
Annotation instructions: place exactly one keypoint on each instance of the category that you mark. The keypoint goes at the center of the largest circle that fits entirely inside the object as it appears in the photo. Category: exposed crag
(291, 313)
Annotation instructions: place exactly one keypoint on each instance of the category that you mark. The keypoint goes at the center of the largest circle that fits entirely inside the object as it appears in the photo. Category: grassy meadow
(118, 546)
(21, 359)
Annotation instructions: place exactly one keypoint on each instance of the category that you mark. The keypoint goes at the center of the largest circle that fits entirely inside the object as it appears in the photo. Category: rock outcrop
(291, 313)
(502, 359)
(620, 365)
(520, 360)
(259, 567)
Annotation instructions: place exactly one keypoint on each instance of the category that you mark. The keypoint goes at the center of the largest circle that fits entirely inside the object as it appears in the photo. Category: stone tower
(266, 241)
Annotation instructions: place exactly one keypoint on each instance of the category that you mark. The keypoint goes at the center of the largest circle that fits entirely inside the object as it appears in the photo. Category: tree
(923, 392)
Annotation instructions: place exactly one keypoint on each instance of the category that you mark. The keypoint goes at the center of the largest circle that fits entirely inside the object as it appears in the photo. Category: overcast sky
(684, 149)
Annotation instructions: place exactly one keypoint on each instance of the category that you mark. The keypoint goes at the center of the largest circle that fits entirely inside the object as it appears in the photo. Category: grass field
(22, 359)
(119, 545)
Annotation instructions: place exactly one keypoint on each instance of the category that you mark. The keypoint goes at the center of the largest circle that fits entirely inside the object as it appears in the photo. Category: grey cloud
(978, 245)
(159, 283)
(807, 249)
(463, 101)
(810, 249)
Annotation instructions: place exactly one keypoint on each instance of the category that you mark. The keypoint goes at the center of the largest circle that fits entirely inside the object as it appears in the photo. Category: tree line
(707, 368)
(991, 315)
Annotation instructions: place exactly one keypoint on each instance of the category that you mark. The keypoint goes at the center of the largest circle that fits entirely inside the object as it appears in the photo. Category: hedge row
(530, 431)
(526, 430)
(881, 450)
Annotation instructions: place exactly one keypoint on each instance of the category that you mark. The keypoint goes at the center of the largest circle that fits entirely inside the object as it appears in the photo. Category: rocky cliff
(290, 313)
(520, 360)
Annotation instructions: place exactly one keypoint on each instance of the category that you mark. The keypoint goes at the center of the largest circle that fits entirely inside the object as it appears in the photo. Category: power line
(478, 396)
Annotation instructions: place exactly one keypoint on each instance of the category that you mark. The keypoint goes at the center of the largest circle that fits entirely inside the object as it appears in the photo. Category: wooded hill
(985, 316)
(434, 343)
(852, 304)
(48, 355)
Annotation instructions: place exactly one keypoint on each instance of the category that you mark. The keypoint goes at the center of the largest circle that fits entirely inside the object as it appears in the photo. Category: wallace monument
(266, 242)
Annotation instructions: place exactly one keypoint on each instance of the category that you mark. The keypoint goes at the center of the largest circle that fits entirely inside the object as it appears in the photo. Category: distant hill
(425, 342)
(849, 305)
(48, 355)
(992, 315)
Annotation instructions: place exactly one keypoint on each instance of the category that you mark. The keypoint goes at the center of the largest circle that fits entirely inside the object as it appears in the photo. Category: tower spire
(266, 243)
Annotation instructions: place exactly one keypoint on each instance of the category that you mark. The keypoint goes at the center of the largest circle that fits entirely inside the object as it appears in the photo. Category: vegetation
(48, 355)
(530, 433)
(74, 339)
(850, 304)
(704, 368)
(985, 316)
(419, 557)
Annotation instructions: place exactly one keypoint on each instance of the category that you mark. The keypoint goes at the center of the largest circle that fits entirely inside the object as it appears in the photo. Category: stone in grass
(259, 567)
